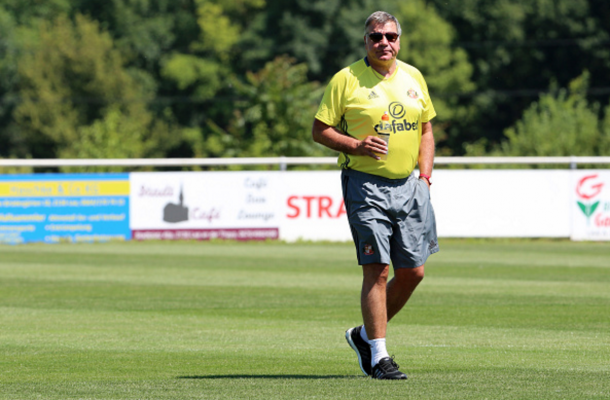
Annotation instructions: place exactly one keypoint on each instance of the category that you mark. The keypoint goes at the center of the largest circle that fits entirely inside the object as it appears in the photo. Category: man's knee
(410, 275)
(418, 274)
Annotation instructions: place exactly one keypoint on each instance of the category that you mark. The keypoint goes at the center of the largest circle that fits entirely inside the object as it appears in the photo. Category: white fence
(283, 162)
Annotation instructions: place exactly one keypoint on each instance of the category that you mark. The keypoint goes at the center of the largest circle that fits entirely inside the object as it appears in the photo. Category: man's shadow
(245, 376)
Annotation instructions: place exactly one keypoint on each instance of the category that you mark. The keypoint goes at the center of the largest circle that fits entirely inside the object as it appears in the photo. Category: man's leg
(400, 288)
(375, 316)
(373, 299)
(396, 293)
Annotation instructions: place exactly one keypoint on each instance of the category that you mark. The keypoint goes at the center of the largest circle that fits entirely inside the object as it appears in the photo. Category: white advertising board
(238, 205)
(308, 205)
(591, 205)
(204, 205)
(475, 203)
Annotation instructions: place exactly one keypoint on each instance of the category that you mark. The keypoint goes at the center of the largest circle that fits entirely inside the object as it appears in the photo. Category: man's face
(383, 50)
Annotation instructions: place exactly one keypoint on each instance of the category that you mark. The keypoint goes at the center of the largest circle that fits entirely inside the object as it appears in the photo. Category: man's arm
(426, 150)
(333, 139)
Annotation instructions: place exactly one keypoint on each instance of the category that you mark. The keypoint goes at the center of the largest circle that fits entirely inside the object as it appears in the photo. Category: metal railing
(284, 162)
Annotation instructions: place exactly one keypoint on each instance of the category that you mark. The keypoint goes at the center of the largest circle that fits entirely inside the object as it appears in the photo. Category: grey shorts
(390, 219)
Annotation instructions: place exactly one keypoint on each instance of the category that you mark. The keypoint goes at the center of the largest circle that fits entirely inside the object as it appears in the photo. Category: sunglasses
(377, 37)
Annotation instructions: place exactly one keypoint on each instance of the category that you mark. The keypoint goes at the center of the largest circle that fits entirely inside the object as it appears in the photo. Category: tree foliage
(183, 78)
(8, 74)
(327, 35)
(273, 116)
(520, 47)
(560, 123)
(73, 82)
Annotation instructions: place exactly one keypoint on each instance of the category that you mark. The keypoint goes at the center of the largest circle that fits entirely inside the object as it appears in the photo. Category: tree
(202, 70)
(203, 67)
(273, 116)
(327, 35)
(8, 75)
(560, 123)
(519, 47)
(30, 13)
(18, 22)
(73, 82)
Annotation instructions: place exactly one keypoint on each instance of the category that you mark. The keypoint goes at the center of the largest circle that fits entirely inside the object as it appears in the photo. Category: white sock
(363, 334)
(378, 350)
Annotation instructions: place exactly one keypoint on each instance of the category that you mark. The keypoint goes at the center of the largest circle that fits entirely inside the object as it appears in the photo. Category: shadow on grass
(271, 377)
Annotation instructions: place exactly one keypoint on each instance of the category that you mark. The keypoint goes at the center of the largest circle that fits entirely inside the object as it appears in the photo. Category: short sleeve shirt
(357, 97)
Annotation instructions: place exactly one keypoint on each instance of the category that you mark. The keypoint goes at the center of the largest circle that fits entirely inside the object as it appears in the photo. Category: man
(388, 207)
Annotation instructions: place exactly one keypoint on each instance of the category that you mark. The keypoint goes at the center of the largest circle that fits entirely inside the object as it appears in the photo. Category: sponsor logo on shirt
(401, 126)
(397, 111)
(373, 95)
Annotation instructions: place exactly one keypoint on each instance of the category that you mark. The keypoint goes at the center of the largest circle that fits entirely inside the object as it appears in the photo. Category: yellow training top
(355, 100)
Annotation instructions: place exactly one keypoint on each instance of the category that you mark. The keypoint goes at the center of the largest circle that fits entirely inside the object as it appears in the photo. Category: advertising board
(308, 205)
(291, 206)
(238, 205)
(55, 208)
(205, 205)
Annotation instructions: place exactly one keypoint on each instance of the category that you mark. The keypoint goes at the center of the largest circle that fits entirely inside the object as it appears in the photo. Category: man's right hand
(370, 146)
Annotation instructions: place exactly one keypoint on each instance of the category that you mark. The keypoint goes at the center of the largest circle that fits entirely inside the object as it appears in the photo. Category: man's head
(382, 37)
(380, 18)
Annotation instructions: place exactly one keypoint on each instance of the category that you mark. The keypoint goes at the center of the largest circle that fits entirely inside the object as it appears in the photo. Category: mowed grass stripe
(288, 303)
(163, 331)
(493, 319)
(182, 250)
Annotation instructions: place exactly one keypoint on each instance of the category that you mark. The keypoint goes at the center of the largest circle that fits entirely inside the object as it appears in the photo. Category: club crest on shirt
(412, 94)
(368, 250)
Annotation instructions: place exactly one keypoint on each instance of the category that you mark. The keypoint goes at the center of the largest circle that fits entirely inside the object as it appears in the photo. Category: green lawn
(494, 319)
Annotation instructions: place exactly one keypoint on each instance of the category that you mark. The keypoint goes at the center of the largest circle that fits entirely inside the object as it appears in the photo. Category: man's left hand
(425, 180)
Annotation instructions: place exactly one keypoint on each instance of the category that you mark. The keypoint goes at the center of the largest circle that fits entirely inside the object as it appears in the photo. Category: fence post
(573, 164)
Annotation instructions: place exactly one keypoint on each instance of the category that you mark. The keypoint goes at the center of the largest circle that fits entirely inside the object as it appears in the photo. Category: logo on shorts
(368, 250)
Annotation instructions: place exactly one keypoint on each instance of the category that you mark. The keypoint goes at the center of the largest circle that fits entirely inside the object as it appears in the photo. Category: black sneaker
(386, 368)
(362, 348)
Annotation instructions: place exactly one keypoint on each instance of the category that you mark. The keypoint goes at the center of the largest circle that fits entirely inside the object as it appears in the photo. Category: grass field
(494, 319)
